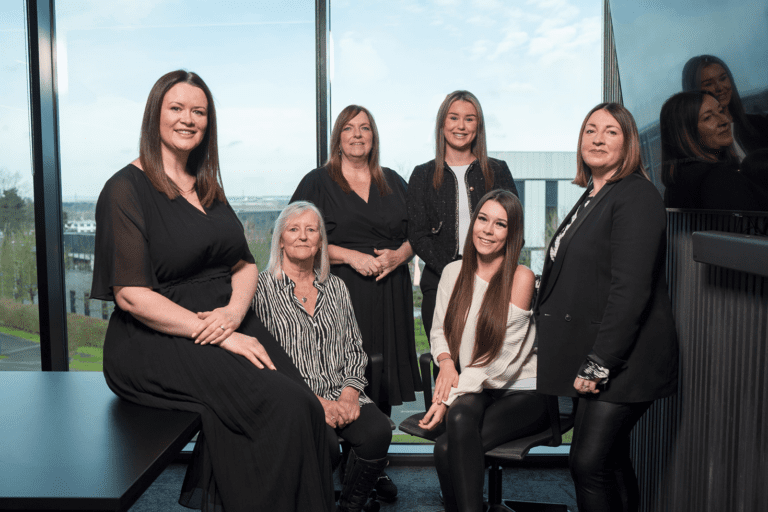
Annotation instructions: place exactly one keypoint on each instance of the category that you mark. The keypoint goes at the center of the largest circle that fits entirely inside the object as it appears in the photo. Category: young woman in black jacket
(443, 193)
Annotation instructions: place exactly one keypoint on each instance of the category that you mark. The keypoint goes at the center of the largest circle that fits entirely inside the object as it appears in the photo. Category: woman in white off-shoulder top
(482, 324)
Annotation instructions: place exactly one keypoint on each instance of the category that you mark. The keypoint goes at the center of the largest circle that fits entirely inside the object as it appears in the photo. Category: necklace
(304, 300)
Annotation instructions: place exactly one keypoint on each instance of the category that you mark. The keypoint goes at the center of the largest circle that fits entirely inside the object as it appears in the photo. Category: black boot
(359, 478)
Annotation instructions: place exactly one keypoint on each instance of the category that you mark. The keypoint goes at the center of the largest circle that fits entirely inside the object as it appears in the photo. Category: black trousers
(600, 465)
(369, 435)
(428, 284)
(475, 423)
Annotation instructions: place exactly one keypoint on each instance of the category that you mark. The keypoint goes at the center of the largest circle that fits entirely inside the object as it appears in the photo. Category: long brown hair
(334, 159)
(492, 321)
(203, 161)
(630, 162)
(479, 146)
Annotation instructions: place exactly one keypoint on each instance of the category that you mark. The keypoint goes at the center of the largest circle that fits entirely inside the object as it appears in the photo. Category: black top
(383, 309)
(157, 243)
(758, 138)
(713, 186)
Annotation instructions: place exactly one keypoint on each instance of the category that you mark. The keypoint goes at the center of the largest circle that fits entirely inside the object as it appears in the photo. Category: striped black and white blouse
(326, 348)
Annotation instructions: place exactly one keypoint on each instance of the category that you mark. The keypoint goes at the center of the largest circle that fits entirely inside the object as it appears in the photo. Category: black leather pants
(600, 465)
(475, 423)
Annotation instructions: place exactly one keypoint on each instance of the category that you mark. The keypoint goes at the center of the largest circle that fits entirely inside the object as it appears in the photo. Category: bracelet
(443, 359)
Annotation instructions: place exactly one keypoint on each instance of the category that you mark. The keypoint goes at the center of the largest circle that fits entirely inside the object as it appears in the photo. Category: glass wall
(535, 69)
(664, 48)
(19, 321)
(109, 56)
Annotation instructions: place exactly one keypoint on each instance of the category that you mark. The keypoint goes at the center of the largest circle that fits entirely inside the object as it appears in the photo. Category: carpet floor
(418, 489)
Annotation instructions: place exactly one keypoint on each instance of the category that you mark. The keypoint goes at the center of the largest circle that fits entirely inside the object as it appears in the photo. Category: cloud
(358, 59)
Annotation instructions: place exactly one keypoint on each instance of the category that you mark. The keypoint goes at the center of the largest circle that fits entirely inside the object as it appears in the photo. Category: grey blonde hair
(322, 264)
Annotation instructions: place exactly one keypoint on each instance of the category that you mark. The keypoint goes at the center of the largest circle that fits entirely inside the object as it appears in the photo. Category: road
(21, 354)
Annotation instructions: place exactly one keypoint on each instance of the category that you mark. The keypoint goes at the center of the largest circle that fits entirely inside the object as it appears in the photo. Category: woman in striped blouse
(308, 310)
(482, 323)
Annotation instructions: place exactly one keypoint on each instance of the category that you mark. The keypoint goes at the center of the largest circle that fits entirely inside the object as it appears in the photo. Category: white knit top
(514, 368)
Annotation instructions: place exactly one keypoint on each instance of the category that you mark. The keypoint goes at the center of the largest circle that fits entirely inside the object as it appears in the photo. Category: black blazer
(605, 296)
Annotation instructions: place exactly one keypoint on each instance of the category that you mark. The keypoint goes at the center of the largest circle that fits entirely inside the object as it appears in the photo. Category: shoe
(359, 479)
(386, 488)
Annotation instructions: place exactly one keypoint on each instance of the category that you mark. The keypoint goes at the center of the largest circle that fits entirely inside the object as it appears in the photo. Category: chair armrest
(425, 364)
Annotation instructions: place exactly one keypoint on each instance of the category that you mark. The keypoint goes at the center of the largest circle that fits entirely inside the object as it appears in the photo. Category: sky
(534, 65)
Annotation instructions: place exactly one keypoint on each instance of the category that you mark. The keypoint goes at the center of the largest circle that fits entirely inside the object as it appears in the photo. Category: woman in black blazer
(606, 333)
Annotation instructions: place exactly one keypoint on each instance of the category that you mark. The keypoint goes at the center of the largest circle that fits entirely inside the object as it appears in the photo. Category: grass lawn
(408, 439)
(20, 334)
(87, 359)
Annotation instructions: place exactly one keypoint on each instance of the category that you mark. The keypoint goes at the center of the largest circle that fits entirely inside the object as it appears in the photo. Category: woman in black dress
(172, 255)
(443, 193)
(363, 206)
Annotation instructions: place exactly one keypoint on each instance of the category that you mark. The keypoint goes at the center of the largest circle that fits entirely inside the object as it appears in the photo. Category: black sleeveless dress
(383, 309)
(264, 443)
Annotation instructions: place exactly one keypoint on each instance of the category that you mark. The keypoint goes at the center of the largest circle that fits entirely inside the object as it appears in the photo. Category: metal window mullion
(46, 181)
(322, 77)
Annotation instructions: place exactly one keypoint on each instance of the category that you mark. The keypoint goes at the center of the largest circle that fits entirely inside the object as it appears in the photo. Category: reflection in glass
(711, 74)
(700, 163)
(657, 43)
(19, 321)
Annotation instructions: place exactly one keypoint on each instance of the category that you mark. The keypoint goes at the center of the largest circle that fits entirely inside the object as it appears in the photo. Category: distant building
(80, 226)
(543, 181)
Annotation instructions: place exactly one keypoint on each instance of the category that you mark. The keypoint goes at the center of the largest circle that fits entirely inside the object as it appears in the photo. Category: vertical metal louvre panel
(707, 448)
(611, 79)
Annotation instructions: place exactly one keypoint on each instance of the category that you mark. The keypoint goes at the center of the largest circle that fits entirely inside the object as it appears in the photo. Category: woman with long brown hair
(483, 324)
(444, 192)
(363, 206)
(172, 255)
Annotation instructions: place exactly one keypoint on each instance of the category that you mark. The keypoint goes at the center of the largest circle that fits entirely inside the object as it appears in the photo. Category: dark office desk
(68, 443)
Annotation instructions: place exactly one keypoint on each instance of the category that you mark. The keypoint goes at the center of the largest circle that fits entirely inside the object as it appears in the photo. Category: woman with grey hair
(308, 310)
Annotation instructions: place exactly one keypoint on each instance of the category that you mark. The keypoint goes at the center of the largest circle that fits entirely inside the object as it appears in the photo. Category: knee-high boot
(359, 479)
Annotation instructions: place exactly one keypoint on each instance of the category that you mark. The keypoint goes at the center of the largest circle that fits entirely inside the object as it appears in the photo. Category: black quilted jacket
(433, 219)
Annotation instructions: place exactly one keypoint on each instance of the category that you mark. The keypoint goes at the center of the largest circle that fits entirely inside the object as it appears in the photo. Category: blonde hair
(322, 264)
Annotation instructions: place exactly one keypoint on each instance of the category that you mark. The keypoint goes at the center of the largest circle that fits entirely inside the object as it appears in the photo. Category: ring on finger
(223, 328)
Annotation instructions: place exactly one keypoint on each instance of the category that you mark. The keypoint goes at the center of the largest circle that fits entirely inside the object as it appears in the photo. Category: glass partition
(257, 59)
(665, 48)
(19, 319)
(534, 68)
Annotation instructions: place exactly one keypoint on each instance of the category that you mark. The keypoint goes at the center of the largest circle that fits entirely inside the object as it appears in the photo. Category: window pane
(19, 320)
(257, 59)
(535, 69)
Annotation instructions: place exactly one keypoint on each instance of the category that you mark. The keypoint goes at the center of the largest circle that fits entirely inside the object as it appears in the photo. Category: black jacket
(433, 219)
(605, 296)
(713, 186)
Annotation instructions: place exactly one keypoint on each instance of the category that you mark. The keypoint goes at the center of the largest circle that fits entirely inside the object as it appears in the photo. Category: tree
(16, 213)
